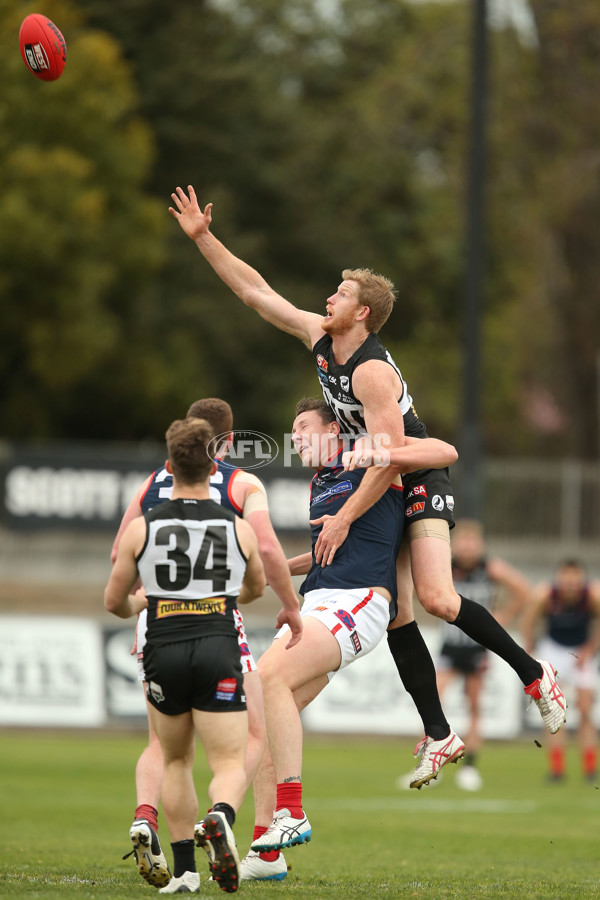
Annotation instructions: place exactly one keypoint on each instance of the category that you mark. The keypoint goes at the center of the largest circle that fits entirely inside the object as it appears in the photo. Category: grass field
(67, 802)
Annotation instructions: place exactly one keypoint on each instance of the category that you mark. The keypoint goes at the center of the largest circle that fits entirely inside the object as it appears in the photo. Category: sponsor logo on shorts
(345, 383)
(166, 608)
(226, 689)
(450, 502)
(244, 650)
(419, 490)
(322, 362)
(437, 502)
(156, 692)
(355, 643)
(321, 608)
(415, 508)
(345, 618)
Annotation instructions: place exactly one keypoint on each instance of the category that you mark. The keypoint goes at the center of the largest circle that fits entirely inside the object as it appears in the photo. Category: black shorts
(428, 495)
(466, 660)
(204, 673)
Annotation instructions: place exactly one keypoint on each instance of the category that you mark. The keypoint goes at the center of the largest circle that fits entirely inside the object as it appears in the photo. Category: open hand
(188, 213)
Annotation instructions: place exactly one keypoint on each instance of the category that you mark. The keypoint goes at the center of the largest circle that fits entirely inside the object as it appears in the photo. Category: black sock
(184, 859)
(417, 673)
(475, 620)
(227, 810)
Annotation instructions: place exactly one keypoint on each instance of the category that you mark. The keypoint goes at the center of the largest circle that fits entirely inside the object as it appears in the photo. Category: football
(43, 47)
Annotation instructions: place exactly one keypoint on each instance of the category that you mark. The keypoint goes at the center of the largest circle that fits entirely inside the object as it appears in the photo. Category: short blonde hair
(374, 291)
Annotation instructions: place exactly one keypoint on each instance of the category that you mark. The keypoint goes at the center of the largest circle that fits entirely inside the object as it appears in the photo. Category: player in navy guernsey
(364, 558)
(346, 611)
(195, 560)
(366, 391)
(242, 493)
(564, 615)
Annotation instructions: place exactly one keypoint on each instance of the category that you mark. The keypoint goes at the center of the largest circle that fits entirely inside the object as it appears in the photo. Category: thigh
(431, 565)
(316, 654)
(357, 618)
(224, 736)
(175, 733)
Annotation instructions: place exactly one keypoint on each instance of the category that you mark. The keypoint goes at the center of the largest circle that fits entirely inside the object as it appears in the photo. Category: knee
(268, 672)
(443, 604)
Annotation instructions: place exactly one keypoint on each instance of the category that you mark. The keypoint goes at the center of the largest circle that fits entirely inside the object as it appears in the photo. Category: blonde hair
(374, 291)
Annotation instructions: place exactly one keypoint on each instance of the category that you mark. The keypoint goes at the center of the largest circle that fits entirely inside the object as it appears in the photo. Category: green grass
(67, 802)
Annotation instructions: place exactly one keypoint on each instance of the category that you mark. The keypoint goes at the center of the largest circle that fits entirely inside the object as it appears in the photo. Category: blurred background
(452, 146)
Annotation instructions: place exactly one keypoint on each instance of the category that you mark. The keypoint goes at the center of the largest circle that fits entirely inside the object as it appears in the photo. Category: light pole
(470, 439)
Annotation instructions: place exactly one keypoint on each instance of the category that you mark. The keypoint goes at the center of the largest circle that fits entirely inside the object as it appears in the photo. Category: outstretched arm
(243, 280)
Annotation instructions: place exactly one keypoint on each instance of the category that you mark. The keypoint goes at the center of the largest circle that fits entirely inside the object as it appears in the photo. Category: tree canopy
(327, 136)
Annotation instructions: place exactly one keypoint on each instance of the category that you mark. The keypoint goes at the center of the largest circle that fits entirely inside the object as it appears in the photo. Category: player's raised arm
(243, 280)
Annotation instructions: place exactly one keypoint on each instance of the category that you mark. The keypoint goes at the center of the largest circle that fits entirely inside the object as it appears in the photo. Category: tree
(79, 238)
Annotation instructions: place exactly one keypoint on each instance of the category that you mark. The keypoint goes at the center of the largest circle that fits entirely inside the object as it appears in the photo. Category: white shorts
(247, 660)
(564, 660)
(358, 619)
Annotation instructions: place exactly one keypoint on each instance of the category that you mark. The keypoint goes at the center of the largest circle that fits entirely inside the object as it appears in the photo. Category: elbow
(452, 455)
(109, 603)
(112, 604)
(269, 550)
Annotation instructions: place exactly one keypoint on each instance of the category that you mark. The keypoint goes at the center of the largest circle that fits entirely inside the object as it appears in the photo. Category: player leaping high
(365, 389)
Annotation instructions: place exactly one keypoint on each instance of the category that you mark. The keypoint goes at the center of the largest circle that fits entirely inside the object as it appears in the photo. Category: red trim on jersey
(397, 487)
(150, 483)
(363, 602)
(326, 463)
(229, 491)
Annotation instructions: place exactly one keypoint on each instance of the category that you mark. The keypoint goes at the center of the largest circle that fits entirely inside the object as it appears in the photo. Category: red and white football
(43, 47)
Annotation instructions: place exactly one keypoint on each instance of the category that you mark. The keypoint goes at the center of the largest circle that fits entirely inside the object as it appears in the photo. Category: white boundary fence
(58, 671)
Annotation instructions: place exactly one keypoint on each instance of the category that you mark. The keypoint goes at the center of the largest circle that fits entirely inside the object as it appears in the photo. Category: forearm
(124, 606)
(300, 565)
(278, 576)
(237, 275)
(423, 453)
(373, 486)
